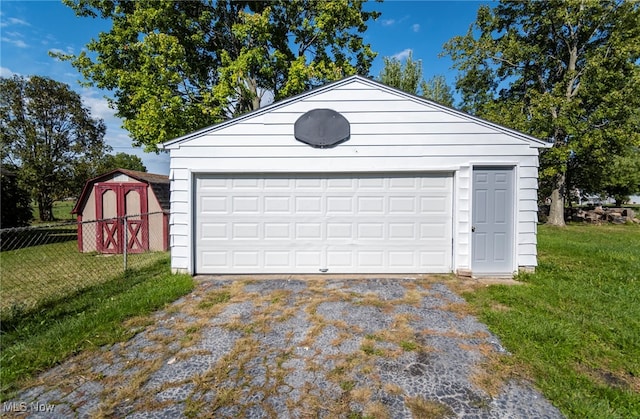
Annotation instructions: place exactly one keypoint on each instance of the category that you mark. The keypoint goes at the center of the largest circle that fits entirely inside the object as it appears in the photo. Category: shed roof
(534, 142)
(159, 184)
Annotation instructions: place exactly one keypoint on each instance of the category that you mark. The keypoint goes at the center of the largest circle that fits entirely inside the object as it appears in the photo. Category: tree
(120, 161)
(45, 131)
(178, 66)
(438, 90)
(565, 71)
(88, 169)
(16, 203)
(405, 76)
(623, 177)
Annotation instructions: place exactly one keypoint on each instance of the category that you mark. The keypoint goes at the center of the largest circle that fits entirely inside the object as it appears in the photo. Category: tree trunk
(45, 206)
(556, 211)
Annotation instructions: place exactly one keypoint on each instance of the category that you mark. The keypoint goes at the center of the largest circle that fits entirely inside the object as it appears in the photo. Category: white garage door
(343, 223)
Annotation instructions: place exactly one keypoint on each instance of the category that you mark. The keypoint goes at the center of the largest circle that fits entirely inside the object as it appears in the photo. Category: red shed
(139, 197)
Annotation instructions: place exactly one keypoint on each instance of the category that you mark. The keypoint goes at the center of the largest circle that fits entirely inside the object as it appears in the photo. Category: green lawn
(61, 212)
(88, 319)
(33, 275)
(575, 326)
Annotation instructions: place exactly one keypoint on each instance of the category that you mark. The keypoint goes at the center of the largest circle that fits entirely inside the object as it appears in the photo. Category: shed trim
(150, 179)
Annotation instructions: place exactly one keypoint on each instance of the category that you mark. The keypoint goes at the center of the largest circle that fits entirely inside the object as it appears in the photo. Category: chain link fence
(46, 263)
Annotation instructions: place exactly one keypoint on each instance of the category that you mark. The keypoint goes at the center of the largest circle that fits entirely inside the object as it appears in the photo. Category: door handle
(473, 229)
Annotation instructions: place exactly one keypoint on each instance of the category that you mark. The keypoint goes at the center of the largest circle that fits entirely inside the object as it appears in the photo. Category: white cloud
(415, 27)
(388, 22)
(12, 21)
(5, 72)
(99, 106)
(16, 21)
(402, 54)
(17, 42)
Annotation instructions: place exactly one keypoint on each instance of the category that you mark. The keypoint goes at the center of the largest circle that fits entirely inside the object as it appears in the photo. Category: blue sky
(30, 29)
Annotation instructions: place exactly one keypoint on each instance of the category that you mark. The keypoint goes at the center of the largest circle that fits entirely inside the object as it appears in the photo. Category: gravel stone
(309, 363)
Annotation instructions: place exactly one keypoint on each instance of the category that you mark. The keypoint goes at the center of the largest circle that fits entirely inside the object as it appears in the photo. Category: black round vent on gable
(322, 128)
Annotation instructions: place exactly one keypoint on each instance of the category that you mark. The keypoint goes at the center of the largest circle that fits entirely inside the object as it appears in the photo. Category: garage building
(354, 177)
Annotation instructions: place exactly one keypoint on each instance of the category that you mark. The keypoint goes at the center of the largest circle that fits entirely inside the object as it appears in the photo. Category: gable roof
(535, 142)
(159, 184)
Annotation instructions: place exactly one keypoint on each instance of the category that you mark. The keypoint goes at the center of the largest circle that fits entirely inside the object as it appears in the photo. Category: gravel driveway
(298, 348)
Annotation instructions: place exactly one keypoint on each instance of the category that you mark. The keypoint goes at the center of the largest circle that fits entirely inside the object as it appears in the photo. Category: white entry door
(342, 223)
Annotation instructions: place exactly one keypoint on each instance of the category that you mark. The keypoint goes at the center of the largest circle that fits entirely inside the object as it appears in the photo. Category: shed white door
(342, 223)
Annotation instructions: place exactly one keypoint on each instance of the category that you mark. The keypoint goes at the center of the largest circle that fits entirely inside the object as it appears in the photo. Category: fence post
(125, 244)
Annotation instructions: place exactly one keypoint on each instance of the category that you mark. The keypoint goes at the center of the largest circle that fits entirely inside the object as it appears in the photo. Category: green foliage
(120, 161)
(175, 67)
(46, 131)
(61, 212)
(621, 179)
(576, 322)
(407, 76)
(438, 90)
(87, 320)
(16, 202)
(564, 71)
(88, 169)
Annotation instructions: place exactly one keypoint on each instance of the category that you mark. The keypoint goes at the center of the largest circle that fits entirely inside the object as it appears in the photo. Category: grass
(88, 319)
(575, 326)
(38, 274)
(61, 212)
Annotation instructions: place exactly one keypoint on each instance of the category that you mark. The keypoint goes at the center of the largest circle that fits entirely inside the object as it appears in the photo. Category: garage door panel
(306, 231)
(214, 260)
(214, 231)
(277, 259)
(371, 183)
(246, 231)
(404, 183)
(434, 183)
(337, 230)
(246, 259)
(314, 184)
(241, 183)
(277, 205)
(435, 205)
(402, 258)
(308, 259)
(432, 260)
(245, 204)
(278, 183)
(370, 205)
(402, 204)
(371, 231)
(213, 183)
(277, 231)
(402, 231)
(213, 205)
(433, 231)
(308, 204)
(341, 184)
(343, 223)
(337, 205)
(340, 259)
(371, 259)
